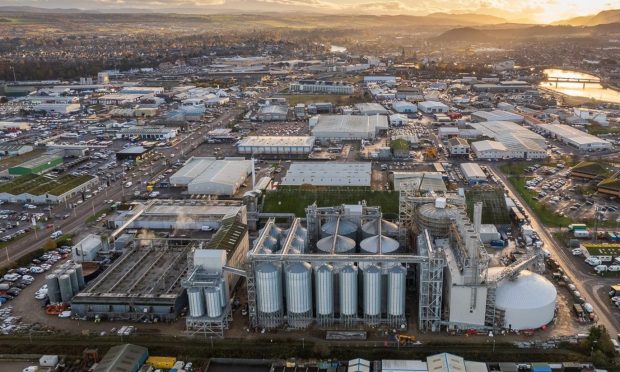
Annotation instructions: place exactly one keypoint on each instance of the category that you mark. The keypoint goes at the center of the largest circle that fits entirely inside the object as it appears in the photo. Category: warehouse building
(432, 107)
(520, 142)
(132, 153)
(267, 145)
(425, 181)
(473, 173)
(38, 165)
(404, 107)
(497, 115)
(125, 358)
(317, 86)
(328, 174)
(273, 113)
(489, 150)
(371, 108)
(347, 127)
(212, 177)
(575, 138)
(149, 133)
(458, 147)
(14, 150)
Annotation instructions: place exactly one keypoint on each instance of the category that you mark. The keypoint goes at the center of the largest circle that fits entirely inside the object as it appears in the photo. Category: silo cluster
(64, 283)
(209, 301)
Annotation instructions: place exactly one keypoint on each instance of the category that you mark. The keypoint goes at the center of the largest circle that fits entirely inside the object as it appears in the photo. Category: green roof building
(37, 165)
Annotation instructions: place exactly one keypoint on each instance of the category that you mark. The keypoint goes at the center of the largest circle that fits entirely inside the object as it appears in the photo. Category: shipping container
(161, 362)
(577, 226)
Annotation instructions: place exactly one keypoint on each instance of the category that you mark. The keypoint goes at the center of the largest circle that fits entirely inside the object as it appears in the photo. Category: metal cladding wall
(372, 291)
(53, 288)
(348, 291)
(298, 279)
(196, 301)
(268, 288)
(396, 290)
(214, 302)
(324, 290)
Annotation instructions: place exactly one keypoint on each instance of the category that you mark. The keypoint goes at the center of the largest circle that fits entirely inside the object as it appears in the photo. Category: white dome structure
(528, 301)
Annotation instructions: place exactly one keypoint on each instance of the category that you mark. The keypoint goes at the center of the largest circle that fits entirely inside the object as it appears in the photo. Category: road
(587, 283)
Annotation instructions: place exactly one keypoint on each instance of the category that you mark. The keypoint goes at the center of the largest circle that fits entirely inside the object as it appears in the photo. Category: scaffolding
(494, 209)
(431, 285)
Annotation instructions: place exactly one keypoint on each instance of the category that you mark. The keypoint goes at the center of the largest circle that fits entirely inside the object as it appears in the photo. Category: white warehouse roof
(575, 137)
(210, 176)
(391, 365)
(349, 126)
(328, 174)
(497, 115)
(516, 138)
(487, 145)
(472, 171)
(277, 141)
(404, 106)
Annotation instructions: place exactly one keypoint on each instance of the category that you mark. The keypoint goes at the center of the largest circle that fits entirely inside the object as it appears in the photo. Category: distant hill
(604, 17)
(467, 34)
(469, 18)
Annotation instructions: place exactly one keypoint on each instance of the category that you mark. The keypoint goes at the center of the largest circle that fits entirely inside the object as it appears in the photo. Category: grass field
(296, 200)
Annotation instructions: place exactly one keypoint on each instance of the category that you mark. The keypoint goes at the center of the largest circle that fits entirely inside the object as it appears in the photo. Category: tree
(49, 245)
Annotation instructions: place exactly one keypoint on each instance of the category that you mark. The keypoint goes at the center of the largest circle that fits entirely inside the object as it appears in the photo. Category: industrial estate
(267, 203)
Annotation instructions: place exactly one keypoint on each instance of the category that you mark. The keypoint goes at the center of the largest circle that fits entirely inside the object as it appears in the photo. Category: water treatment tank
(396, 290)
(79, 270)
(324, 290)
(343, 244)
(213, 301)
(196, 300)
(528, 302)
(371, 245)
(388, 228)
(348, 291)
(345, 228)
(436, 218)
(75, 287)
(66, 290)
(372, 292)
(298, 279)
(268, 288)
(53, 288)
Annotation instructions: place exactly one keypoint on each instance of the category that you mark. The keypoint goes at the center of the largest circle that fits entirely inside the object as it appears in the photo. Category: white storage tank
(343, 244)
(528, 301)
(345, 228)
(268, 288)
(196, 300)
(79, 270)
(348, 291)
(388, 228)
(371, 245)
(213, 302)
(298, 279)
(66, 290)
(324, 290)
(75, 287)
(53, 288)
(372, 292)
(397, 276)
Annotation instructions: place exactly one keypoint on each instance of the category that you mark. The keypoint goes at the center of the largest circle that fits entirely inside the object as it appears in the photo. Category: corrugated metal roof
(122, 358)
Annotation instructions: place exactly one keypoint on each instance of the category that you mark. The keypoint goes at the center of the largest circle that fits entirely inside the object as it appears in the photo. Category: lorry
(577, 226)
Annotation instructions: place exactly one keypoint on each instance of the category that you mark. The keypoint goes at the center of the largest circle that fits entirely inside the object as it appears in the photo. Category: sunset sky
(542, 11)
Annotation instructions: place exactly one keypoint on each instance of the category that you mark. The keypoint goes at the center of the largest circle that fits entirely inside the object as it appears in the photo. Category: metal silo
(269, 294)
(223, 289)
(436, 218)
(53, 288)
(298, 279)
(75, 287)
(213, 301)
(372, 294)
(372, 245)
(66, 290)
(79, 270)
(271, 243)
(343, 244)
(371, 228)
(348, 293)
(397, 276)
(196, 300)
(324, 293)
(345, 228)
(299, 244)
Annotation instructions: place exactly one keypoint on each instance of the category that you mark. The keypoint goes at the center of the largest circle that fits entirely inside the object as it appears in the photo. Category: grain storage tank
(298, 244)
(196, 300)
(436, 217)
(271, 243)
(66, 290)
(348, 291)
(343, 244)
(372, 294)
(324, 290)
(528, 301)
(388, 228)
(223, 290)
(345, 228)
(396, 291)
(213, 302)
(75, 287)
(53, 288)
(298, 279)
(79, 270)
(268, 288)
(371, 245)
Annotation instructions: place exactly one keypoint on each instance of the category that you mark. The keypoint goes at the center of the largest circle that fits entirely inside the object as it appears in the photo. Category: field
(296, 200)
(39, 185)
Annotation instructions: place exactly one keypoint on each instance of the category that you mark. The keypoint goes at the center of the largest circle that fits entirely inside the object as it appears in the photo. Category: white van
(56, 234)
(206, 228)
(600, 268)
(613, 268)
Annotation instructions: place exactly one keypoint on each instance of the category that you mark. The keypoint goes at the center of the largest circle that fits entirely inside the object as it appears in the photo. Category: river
(591, 90)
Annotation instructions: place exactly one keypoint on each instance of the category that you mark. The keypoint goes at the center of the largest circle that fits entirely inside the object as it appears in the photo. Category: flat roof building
(575, 138)
(150, 133)
(432, 107)
(371, 108)
(38, 165)
(318, 86)
(489, 150)
(404, 107)
(272, 145)
(273, 113)
(497, 115)
(328, 174)
(211, 176)
(520, 142)
(347, 127)
(132, 153)
(473, 173)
